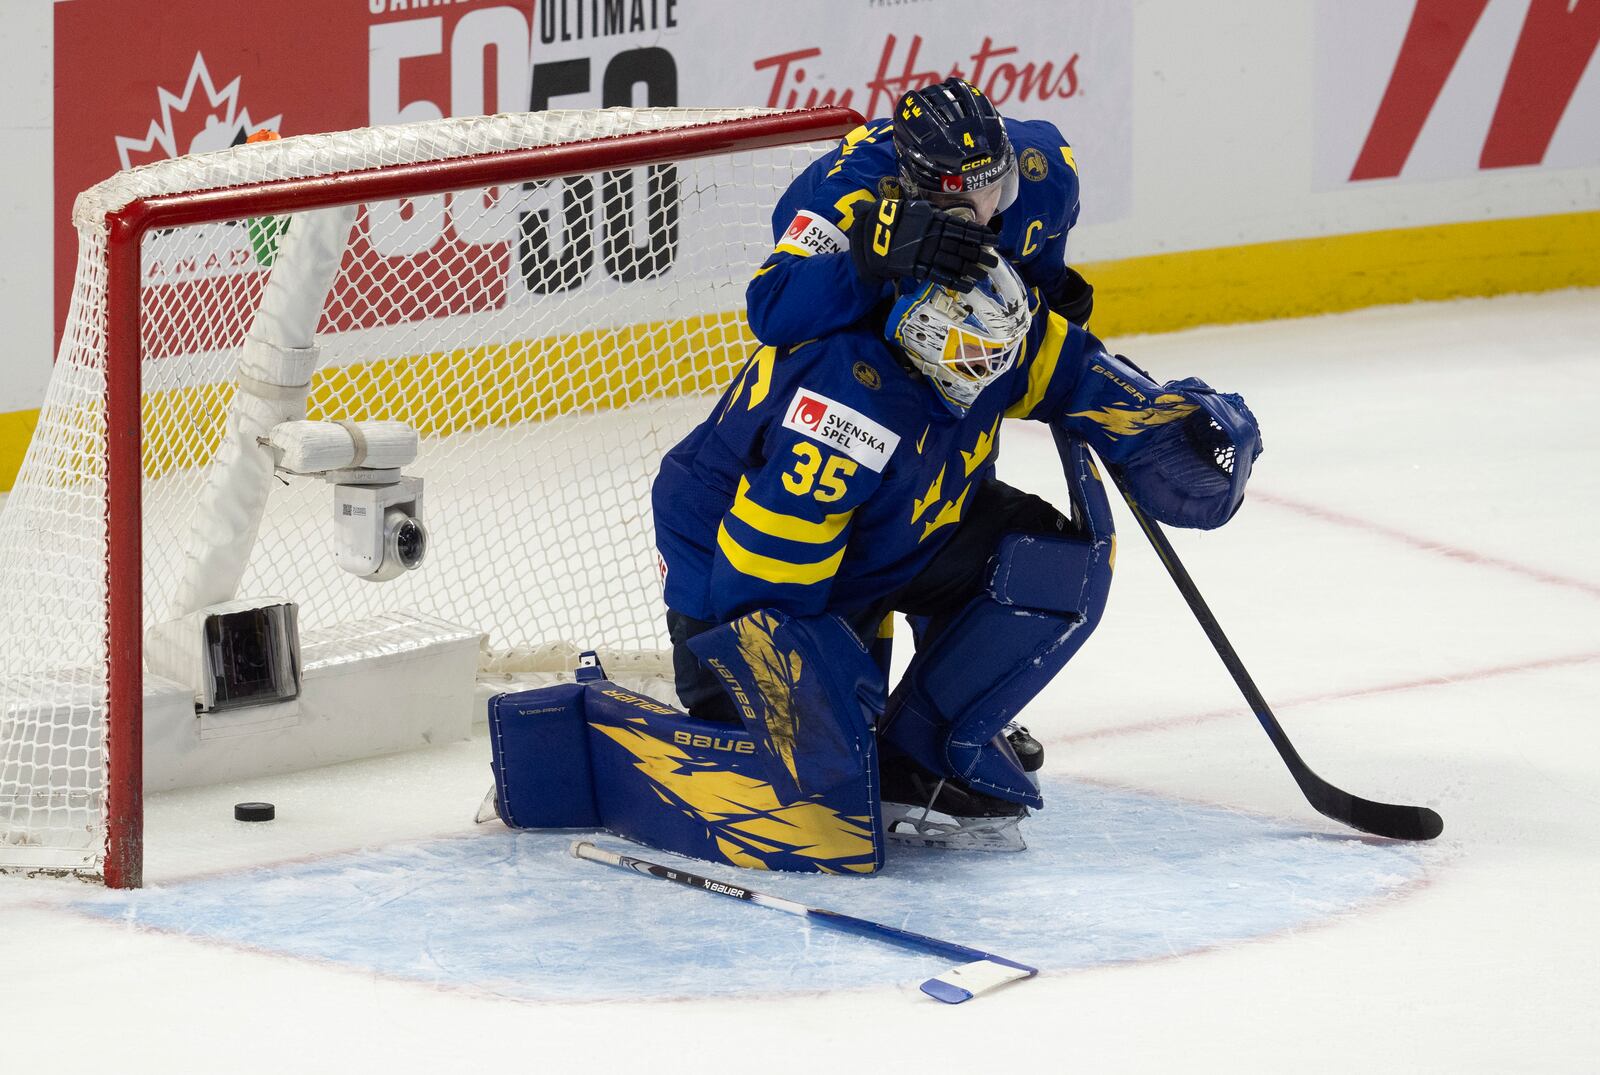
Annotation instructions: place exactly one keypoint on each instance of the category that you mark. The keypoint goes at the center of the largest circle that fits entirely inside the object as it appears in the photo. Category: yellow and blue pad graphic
(1110, 877)
(592, 755)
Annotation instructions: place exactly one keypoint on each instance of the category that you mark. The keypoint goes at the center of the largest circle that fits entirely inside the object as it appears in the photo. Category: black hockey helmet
(951, 140)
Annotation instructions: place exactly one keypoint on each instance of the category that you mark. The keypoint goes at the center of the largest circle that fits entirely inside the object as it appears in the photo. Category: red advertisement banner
(1556, 43)
(137, 83)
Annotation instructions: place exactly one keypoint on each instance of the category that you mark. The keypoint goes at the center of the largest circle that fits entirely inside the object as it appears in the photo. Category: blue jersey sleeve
(1069, 379)
(808, 286)
(1035, 227)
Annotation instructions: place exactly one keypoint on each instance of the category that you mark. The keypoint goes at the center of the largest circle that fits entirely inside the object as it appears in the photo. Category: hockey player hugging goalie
(844, 478)
(834, 483)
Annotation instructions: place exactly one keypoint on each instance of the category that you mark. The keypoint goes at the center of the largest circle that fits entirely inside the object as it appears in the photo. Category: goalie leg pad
(1044, 598)
(807, 691)
(592, 755)
(539, 752)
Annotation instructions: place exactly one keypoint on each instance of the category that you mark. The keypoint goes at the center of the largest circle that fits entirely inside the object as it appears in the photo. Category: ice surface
(513, 915)
(1413, 583)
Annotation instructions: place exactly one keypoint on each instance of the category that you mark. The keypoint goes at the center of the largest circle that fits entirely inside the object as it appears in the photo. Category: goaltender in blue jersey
(851, 476)
(933, 192)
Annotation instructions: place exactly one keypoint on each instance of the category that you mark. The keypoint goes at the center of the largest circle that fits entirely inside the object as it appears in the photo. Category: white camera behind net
(377, 510)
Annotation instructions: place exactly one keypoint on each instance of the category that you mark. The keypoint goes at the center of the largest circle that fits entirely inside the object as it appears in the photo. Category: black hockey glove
(1072, 297)
(912, 238)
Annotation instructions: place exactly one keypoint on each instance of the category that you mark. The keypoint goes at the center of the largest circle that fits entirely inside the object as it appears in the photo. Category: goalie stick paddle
(977, 973)
(1380, 819)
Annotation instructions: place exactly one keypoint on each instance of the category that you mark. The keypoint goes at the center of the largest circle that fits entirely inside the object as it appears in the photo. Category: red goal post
(128, 463)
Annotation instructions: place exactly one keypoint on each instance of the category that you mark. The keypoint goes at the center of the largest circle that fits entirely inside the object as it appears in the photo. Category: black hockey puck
(254, 812)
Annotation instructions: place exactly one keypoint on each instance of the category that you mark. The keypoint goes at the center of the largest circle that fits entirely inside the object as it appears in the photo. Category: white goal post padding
(548, 335)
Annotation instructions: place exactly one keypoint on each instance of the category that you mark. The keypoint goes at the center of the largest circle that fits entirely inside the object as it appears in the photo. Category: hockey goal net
(545, 299)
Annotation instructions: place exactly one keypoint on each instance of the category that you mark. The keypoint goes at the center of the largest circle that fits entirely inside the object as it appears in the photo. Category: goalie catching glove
(1193, 472)
(1183, 449)
(913, 238)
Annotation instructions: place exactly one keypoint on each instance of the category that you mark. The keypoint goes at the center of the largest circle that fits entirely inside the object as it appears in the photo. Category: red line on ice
(1454, 552)
(1165, 723)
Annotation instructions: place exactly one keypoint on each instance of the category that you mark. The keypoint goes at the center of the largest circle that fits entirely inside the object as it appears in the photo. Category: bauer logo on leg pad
(713, 742)
(595, 756)
(696, 788)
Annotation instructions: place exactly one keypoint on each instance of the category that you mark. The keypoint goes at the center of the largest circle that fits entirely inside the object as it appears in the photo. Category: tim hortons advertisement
(1073, 66)
(136, 83)
(1441, 89)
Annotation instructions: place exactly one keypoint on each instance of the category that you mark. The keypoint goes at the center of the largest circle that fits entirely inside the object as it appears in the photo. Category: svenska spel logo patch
(841, 428)
(809, 234)
(809, 411)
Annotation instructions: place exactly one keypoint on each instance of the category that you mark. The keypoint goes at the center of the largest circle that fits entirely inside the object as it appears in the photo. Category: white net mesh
(547, 340)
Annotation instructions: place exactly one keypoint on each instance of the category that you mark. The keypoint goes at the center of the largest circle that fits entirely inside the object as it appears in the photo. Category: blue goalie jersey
(829, 475)
(808, 286)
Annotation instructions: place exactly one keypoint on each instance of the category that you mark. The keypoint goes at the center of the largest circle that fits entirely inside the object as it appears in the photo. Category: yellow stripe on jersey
(980, 451)
(1042, 368)
(778, 525)
(847, 207)
(768, 569)
(756, 376)
(762, 361)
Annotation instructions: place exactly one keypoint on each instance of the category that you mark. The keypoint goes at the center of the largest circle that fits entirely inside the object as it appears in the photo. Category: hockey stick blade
(962, 983)
(979, 971)
(1381, 819)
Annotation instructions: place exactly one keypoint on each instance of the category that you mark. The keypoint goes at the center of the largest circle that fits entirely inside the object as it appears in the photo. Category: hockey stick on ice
(1380, 819)
(978, 972)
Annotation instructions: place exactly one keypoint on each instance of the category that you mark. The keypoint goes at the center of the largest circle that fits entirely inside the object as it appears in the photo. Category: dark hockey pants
(956, 574)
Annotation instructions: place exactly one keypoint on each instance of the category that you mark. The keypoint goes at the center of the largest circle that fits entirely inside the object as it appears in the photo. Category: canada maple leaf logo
(199, 118)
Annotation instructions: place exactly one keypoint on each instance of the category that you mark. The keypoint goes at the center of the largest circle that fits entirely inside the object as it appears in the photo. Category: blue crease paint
(1110, 876)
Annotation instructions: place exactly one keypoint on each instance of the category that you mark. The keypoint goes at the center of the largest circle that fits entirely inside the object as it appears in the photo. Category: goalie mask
(953, 149)
(963, 342)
